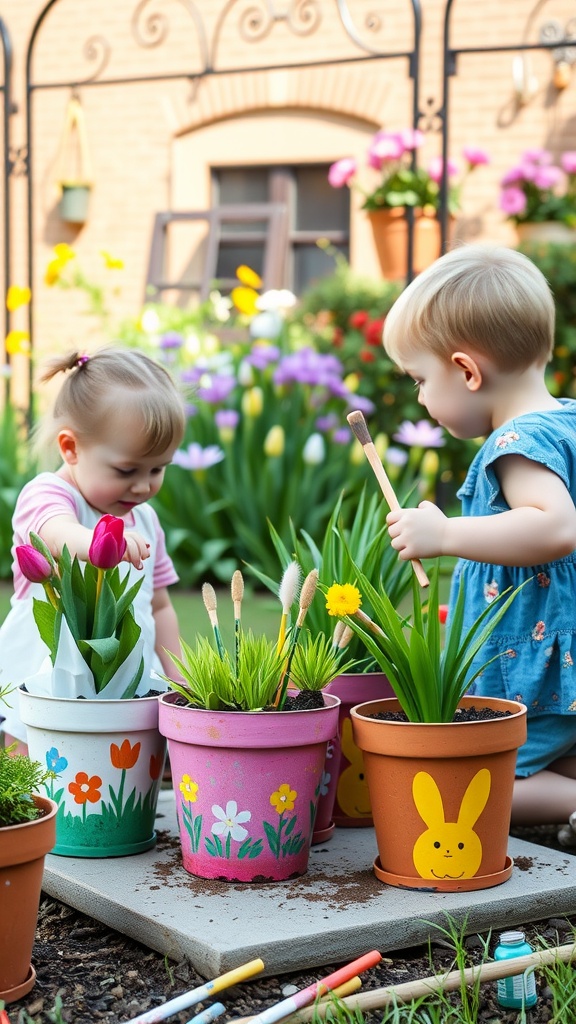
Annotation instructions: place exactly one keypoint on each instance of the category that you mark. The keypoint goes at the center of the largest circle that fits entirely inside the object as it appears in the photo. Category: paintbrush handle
(390, 495)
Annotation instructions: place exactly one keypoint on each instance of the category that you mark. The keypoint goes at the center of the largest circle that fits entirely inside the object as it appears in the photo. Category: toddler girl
(475, 331)
(117, 421)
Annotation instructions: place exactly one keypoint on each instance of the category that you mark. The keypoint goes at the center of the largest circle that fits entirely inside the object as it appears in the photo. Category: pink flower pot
(246, 787)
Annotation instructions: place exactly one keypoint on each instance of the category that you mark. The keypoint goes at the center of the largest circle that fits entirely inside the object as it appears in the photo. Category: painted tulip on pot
(105, 748)
(440, 765)
(27, 834)
(247, 735)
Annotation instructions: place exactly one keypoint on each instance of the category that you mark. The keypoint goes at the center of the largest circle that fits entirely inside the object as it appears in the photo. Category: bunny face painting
(447, 849)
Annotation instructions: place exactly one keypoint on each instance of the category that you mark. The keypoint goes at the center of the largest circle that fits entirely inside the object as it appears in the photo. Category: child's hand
(417, 532)
(137, 548)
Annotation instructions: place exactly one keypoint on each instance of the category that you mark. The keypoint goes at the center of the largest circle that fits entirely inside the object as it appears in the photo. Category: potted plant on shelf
(247, 734)
(401, 184)
(539, 197)
(106, 747)
(27, 834)
(345, 800)
(440, 765)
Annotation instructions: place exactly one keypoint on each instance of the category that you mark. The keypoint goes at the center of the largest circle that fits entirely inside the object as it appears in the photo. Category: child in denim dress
(476, 331)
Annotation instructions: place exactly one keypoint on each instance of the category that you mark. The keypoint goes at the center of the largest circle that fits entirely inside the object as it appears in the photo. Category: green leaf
(106, 647)
(47, 621)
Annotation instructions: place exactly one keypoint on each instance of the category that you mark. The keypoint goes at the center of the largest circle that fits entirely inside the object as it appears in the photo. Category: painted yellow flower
(111, 262)
(343, 599)
(248, 276)
(245, 300)
(274, 442)
(189, 789)
(18, 343)
(17, 297)
(283, 799)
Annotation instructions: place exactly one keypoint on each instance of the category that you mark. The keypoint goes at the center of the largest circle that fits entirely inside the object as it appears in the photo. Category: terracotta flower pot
(247, 787)
(441, 795)
(22, 852)
(109, 757)
(390, 231)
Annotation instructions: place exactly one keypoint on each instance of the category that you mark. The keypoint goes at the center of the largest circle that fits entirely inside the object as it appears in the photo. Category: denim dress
(535, 642)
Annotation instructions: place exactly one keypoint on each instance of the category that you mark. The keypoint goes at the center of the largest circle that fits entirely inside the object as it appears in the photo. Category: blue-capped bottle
(520, 989)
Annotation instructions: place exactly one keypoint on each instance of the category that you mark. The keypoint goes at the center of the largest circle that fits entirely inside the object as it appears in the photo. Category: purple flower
(342, 436)
(226, 419)
(513, 176)
(326, 423)
(513, 201)
(435, 168)
(33, 565)
(361, 403)
(396, 457)
(191, 410)
(308, 367)
(385, 147)
(191, 375)
(568, 161)
(342, 171)
(475, 156)
(217, 388)
(197, 457)
(420, 435)
(262, 355)
(547, 177)
(171, 339)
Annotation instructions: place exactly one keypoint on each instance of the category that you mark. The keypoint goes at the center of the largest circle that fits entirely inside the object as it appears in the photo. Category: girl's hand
(137, 548)
(417, 532)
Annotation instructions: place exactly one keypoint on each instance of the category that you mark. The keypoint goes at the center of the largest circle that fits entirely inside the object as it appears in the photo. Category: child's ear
(68, 445)
(470, 368)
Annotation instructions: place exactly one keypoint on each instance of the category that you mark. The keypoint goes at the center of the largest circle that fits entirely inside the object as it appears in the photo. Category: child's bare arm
(167, 634)
(540, 526)
(66, 530)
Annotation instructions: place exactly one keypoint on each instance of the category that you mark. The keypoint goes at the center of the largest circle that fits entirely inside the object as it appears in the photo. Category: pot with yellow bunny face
(441, 794)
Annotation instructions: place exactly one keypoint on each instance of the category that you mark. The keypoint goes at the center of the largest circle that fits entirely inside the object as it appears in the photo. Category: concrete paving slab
(335, 912)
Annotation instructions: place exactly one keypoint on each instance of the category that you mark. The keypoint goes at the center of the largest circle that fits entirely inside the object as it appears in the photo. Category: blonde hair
(90, 399)
(490, 298)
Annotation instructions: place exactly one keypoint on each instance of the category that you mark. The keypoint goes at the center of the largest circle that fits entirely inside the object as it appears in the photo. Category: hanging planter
(74, 203)
(441, 794)
(247, 786)
(390, 232)
(109, 757)
(74, 169)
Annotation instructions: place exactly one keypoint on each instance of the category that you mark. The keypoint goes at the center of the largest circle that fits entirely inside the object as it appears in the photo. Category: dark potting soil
(469, 714)
(304, 700)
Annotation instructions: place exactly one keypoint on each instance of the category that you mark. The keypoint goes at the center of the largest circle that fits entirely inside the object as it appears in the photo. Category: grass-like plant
(20, 778)
(316, 662)
(429, 679)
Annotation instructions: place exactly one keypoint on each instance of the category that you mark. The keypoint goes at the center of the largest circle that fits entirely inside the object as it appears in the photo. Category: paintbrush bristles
(338, 631)
(308, 590)
(289, 586)
(347, 634)
(358, 424)
(209, 597)
(237, 587)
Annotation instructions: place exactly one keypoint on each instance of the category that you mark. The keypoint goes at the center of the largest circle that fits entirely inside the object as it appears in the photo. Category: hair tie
(82, 360)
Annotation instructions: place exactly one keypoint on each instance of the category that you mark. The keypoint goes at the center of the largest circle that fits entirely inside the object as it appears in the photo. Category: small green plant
(20, 778)
(212, 681)
(428, 679)
(316, 662)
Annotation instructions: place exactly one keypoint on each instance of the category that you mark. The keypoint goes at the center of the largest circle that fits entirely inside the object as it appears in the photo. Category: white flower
(230, 821)
(221, 306)
(150, 321)
(276, 299)
(324, 783)
(245, 374)
(314, 451)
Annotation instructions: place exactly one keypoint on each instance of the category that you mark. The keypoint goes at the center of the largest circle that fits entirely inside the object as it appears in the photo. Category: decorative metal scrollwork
(554, 32)
(17, 162)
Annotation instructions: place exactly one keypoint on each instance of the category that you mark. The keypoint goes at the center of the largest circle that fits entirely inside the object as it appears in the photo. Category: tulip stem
(51, 594)
(99, 582)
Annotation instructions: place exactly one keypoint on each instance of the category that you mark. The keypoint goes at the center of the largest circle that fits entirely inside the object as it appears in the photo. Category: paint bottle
(519, 990)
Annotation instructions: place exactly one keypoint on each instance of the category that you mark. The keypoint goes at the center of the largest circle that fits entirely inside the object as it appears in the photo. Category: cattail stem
(237, 590)
(210, 604)
(306, 595)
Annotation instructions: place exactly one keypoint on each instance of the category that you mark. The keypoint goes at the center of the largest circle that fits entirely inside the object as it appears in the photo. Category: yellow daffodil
(381, 444)
(352, 381)
(18, 343)
(64, 252)
(343, 599)
(245, 300)
(274, 442)
(357, 456)
(283, 799)
(53, 271)
(248, 276)
(111, 262)
(17, 297)
(252, 402)
(189, 789)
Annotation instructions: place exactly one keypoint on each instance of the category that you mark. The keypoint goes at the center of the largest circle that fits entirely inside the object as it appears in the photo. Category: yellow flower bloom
(274, 442)
(17, 297)
(189, 789)
(381, 445)
(245, 300)
(283, 799)
(357, 456)
(252, 402)
(352, 381)
(18, 343)
(53, 271)
(343, 599)
(248, 276)
(64, 252)
(111, 262)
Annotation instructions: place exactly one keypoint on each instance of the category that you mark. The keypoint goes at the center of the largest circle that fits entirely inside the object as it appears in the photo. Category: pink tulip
(33, 564)
(108, 543)
(342, 171)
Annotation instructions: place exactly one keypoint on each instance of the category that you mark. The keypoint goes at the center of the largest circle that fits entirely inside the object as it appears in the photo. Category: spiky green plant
(317, 662)
(212, 682)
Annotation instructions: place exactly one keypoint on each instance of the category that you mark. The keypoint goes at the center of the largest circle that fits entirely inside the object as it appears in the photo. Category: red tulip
(33, 564)
(108, 543)
(442, 613)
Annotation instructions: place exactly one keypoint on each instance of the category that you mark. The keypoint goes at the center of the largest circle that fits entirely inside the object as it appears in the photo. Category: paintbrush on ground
(200, 994)
(358, 425)
(210, 604)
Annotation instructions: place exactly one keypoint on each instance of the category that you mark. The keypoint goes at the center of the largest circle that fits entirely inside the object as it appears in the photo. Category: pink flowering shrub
(537, 190)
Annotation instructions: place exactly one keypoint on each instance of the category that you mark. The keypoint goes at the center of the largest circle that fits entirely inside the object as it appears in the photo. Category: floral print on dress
(491, 591)
(543, 579)
(503, 440)
(539, 630)
(567, 661)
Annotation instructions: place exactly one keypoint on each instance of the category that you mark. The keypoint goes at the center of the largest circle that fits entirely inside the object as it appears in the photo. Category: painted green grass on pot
(428, 679)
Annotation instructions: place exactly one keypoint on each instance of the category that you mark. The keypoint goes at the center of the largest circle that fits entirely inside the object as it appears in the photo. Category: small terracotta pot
(390, 231)
(22, 852)
(441, 795)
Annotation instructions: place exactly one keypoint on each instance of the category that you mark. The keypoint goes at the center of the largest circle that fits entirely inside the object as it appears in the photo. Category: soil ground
(100, 975)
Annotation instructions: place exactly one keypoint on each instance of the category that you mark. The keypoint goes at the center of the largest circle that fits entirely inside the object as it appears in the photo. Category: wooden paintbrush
(210, 604)
(237, 589)
(358, 424)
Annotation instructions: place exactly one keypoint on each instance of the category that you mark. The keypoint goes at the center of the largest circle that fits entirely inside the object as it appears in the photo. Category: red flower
(373, 332)
(156, 764)
(124, 756)
(367, 356)
(443, 613)
(84, 788)
(358, 319)
(108, 543)
(33, 564)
